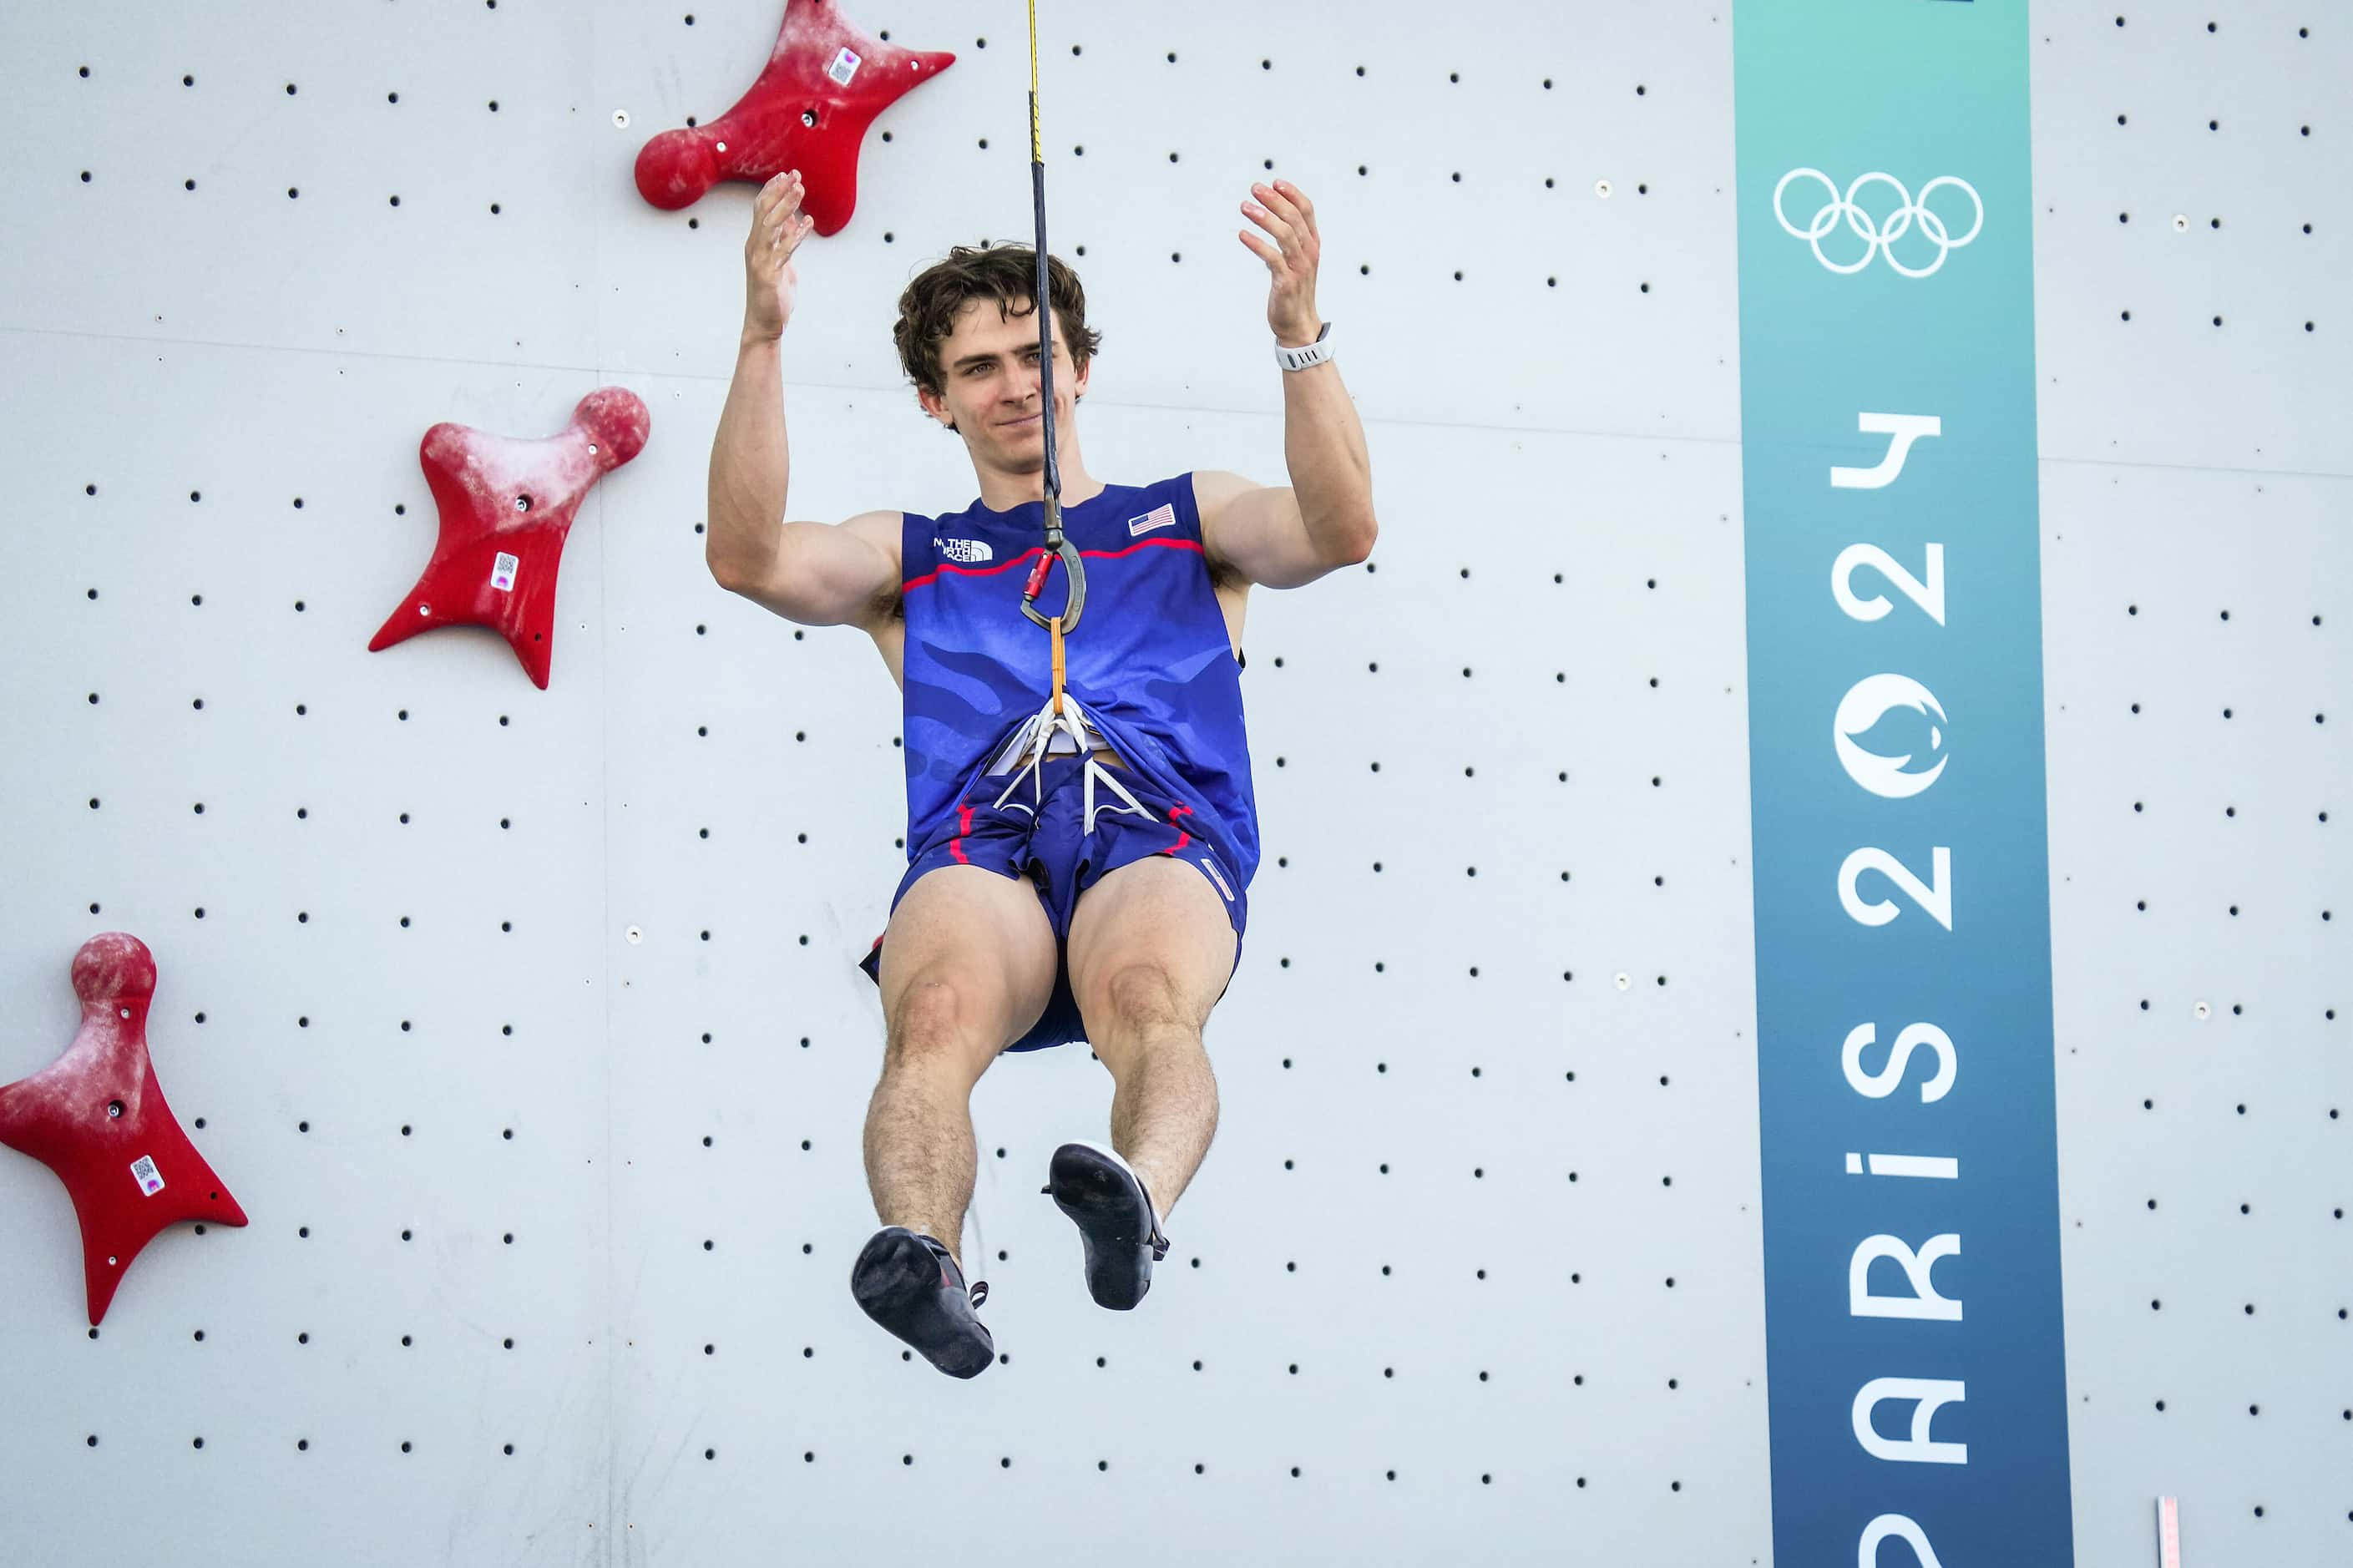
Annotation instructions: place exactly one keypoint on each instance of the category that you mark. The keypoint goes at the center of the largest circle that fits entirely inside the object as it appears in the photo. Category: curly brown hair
(1006, 273)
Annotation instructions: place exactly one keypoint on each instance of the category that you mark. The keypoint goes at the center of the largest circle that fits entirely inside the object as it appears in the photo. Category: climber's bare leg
(967, 967)
(1150, 951)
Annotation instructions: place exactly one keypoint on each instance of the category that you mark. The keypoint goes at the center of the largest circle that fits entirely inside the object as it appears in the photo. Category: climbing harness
(1025, 757)
(1062, 725)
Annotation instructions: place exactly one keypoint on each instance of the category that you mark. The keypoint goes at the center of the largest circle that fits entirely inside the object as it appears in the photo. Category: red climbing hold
(505, 508)
(824, 84)
(96, 1116)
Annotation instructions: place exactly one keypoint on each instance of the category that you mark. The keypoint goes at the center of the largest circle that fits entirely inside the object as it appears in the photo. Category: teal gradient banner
(1915, 1335)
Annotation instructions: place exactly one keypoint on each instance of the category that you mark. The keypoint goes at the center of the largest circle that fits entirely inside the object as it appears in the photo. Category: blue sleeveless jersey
(1150, 660)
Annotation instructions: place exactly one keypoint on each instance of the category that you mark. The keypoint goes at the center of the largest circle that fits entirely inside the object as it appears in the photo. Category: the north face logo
(964, 549)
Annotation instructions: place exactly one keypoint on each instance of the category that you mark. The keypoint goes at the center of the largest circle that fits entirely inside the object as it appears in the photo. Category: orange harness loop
(1057, 628)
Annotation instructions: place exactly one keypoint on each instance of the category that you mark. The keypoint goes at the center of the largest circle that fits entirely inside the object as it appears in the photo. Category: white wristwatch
(1316, 353)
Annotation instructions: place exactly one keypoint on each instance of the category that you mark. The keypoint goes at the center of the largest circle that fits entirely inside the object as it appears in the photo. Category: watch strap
(1316, 353)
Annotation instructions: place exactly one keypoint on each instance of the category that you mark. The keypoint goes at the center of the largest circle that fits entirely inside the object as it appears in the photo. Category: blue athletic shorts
(1037, 833)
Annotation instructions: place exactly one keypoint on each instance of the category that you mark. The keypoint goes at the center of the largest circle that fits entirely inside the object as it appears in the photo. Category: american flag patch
(1161, 515)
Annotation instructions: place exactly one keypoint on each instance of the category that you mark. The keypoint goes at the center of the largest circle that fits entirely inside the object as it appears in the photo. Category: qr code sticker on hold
(150, 1180)
(844, 67)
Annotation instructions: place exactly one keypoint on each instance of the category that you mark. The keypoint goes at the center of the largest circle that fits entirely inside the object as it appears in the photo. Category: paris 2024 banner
(1914, 1334)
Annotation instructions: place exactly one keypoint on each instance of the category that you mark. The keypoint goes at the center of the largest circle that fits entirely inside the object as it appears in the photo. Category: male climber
(1076, 871)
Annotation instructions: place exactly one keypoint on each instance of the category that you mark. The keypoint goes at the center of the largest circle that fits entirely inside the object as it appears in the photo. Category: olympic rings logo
(1874, 238)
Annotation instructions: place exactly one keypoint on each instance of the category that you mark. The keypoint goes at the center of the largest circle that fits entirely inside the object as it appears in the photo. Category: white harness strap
(1071, 729)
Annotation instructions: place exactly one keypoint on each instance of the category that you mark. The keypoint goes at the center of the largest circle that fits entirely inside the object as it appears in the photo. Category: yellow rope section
(1036, 148)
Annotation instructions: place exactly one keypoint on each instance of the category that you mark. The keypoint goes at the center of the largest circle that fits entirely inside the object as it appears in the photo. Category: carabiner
(1057, 546)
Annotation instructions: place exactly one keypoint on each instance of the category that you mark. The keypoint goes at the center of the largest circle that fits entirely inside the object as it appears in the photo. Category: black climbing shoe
(907, 1283)
(1105, 1199)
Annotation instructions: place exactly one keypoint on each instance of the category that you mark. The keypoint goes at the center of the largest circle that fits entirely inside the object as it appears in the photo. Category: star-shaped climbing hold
(96, 1116)
(824, 84)
(505, 508)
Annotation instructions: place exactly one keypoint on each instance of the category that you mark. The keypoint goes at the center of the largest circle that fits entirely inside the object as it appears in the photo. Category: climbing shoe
(1105, 1199)
(907, 1283)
